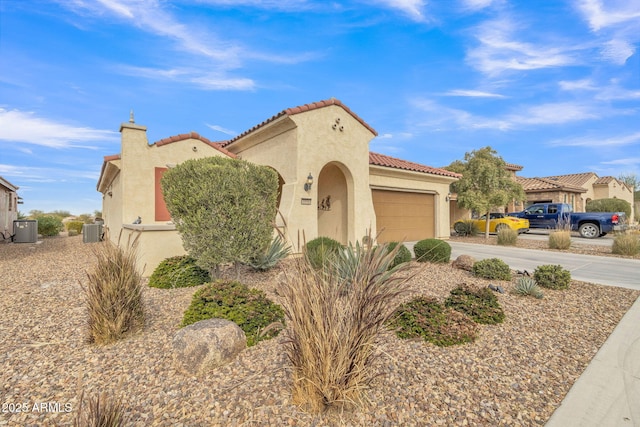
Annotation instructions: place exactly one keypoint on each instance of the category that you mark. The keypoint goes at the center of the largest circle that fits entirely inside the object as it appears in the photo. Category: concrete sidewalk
(607, 394)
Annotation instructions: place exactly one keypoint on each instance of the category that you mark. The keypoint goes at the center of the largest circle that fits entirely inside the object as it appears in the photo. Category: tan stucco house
(576, 189)
(8, 207)
(330, 183)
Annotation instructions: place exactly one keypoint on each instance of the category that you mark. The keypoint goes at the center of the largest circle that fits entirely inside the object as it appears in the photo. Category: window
(552, 209)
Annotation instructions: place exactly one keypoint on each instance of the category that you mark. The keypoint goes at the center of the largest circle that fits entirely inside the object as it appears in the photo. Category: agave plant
(528, 286)
(276, 251)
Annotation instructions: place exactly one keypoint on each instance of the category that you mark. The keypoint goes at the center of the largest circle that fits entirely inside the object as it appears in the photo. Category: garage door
(403, 216)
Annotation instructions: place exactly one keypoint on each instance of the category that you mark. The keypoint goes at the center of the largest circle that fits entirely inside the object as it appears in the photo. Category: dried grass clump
(334, 316)
(101, 411)
(626, 244)
(507, 236)
(560, 239)
(114, 293)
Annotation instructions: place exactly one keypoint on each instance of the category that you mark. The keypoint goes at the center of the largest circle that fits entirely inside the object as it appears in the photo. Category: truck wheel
(589, 230)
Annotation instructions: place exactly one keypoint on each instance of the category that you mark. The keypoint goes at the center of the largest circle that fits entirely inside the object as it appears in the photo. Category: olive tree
(223, 208)
(485, 182)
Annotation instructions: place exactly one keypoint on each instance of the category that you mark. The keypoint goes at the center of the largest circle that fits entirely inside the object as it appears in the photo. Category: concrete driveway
(587, 268)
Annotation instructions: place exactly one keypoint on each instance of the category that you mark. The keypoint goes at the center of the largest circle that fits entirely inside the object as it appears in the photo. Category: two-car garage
(403, 215)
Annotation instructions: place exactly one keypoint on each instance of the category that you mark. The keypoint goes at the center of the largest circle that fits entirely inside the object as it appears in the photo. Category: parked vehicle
(589, 224)
(497, 221)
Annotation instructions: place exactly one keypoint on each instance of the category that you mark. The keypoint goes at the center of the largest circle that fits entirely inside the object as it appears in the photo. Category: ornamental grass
(334, 315)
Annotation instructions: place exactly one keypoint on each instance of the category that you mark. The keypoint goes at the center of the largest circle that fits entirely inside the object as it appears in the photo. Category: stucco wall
(8, 210)
(303, 144)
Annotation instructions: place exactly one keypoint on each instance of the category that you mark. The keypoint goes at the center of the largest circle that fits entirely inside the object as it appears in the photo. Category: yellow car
(497, 221)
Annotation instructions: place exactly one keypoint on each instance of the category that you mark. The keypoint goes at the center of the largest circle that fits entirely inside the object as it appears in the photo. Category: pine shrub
(478, 303)
(552, 277)
(403, 255)
(249, 308)
(492, 269)
(321, 251)
(178, 272)
(432, 250)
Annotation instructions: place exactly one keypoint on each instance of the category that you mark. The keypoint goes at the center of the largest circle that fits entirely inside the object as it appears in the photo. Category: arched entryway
(333, 203)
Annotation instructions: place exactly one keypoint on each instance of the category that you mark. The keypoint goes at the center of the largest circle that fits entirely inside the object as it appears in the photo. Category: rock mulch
(516, 373)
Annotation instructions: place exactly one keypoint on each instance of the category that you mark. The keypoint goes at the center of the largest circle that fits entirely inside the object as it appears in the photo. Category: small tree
(485, 182)
(223, 208)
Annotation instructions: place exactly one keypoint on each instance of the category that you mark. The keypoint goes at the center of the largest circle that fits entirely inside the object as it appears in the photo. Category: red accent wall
(162, 213)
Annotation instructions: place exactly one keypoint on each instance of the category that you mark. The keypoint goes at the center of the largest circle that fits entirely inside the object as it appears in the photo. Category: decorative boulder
(206, 345)
(464, 262)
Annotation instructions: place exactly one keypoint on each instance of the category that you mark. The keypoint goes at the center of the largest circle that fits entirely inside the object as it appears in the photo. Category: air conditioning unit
(25, 231)
(91, 233)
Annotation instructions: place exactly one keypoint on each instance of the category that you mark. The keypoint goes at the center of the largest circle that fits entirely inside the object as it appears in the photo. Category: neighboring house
(575, 189)
(352, 191)
(8, 207)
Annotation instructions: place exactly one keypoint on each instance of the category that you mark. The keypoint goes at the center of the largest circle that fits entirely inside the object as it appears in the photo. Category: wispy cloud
(627, 161)
(25, 173)
(201, 78)
(414, 9)
(556, 113)
(473, 94)
(614, 12)
(221, 129)
(571, 85)
(26, 127)
(475, 5)
(594, 141)
(499, 50)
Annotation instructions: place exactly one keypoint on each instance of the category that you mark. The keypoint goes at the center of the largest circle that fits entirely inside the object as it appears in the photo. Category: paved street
(587, 268)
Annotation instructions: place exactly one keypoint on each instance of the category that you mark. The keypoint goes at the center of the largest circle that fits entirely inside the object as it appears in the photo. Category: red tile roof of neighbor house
(302, 109)
(578, 179)
(392, 162)
(513, 167)
(547, 184)
(194, 135)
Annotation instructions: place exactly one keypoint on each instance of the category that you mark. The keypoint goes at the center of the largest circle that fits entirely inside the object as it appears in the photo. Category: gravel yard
(516, 373)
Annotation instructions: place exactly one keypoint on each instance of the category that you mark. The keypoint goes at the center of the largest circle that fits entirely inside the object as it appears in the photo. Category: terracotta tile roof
(111, 157)
(392, 162)
(604, 180)
(194, 135)
(513, 167)
(578, 179)
(546, 184)
(302, 109)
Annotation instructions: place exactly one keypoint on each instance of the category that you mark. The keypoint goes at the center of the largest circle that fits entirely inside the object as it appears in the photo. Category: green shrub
(492, 269)
(428, 319)
(114, 294)
(466, 227)
(432, 250)
(248, 308)
(49, 225)
(178, 272)
(609, 205)
(552, 277)
(74, 226)
(321, 250)
(507, 236)
(528, 286)
(275, 252)
(560, 239)
(403, 255)
(626, 244)
(478, 303)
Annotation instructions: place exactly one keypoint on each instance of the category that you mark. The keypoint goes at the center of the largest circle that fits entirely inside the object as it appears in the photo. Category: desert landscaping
(515, 373)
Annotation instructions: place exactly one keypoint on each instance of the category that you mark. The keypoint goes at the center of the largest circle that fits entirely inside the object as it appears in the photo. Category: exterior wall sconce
(309, 183)
(110, 193)
(447, 197)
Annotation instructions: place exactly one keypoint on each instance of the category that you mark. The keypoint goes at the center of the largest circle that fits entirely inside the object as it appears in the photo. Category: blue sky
(552, 85)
